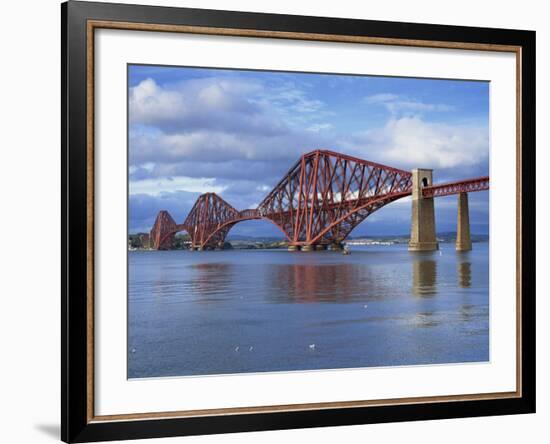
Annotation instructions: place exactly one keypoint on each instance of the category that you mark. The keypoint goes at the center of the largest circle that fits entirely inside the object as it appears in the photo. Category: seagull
(365, 306)
(237, 349)
(312, 346)
(250, 349)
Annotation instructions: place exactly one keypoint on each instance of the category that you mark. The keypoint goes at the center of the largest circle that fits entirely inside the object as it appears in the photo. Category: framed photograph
(275, 221)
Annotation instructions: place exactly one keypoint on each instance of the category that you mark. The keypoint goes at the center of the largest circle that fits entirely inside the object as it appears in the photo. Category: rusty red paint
(463, 186)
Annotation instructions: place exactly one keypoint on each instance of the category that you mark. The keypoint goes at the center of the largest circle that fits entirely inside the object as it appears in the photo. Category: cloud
(242, 158)
(399, 104)
(220, 104)
(259, 171)
(320, 127)
(220, 119)
(157, 186)
(290, 99)
(148, 103)
(381, 98)
(200, 104)
(412, 142)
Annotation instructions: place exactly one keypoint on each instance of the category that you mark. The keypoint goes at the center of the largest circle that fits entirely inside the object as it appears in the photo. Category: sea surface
(237, 311)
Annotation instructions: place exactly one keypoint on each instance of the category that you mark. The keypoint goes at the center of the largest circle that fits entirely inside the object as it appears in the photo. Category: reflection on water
(288, 283)
(424, 275)
(464, 274)
(319, 283)
(209, 280)
(426, 319)
(260, 311)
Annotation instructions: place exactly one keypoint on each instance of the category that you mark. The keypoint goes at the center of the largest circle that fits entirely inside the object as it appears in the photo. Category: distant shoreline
(279, 244)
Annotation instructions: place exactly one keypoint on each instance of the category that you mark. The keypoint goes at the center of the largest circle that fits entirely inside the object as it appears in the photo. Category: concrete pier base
(423, 215)
(336, 247)
(423, 246)
(308, 247)
(463, 239)
(293, 248)
(320, 247)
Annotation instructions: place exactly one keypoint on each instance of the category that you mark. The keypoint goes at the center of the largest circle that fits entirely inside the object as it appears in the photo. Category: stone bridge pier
(423, 231)
(423, 215)
(463, 239)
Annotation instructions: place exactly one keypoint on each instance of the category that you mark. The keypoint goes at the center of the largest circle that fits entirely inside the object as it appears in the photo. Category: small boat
(346, 250)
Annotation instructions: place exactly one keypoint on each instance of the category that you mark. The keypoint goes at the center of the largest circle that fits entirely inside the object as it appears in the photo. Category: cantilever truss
(321, 199)
(207, 223)
(327, 194)
(163, 231)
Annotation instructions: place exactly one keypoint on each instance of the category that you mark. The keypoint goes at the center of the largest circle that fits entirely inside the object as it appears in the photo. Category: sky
(237, 132)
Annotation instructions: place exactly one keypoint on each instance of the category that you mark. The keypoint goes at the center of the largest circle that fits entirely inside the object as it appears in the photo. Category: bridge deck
(462, 186)
(439, 190)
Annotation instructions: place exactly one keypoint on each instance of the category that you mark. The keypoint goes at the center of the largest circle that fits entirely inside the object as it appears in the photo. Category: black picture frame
(76, 424)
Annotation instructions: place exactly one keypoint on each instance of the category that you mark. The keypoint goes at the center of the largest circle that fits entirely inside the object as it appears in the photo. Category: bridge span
(321, 199)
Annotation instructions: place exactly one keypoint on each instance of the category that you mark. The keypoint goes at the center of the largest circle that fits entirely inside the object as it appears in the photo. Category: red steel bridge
(318, 202)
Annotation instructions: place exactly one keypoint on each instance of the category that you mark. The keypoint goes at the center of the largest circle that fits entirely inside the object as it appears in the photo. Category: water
(220, 312)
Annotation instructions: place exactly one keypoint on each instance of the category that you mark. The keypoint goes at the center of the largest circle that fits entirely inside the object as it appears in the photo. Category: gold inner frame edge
(92, 25)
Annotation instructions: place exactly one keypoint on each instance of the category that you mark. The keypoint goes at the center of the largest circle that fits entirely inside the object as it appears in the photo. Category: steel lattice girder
(323, 196)
(207, 215)
(162, 231)
(464, 186)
